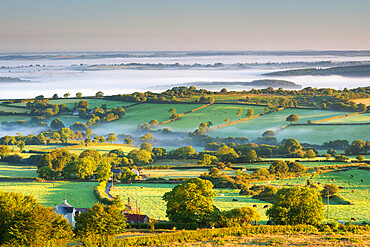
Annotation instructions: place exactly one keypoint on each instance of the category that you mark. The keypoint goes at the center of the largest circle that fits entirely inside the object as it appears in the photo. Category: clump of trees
(293, 206)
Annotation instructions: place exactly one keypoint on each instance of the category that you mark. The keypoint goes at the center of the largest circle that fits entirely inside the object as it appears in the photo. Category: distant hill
(12, 79)
(257, 83)
(350, 71)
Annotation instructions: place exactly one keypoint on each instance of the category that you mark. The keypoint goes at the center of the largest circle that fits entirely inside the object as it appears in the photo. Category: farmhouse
(137, 218)
(68, 212)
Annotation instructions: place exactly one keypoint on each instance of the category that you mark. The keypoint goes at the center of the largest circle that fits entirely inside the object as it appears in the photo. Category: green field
(13, 118)
(175, 162)
(150, 202)
(70, 103)
(216, 113)
(17, 171)
(362, 118)
(78, 194)
(12, 109)
(181, 173)
(42, 147)
(360, 197)
(255, 127)
(67, 120)
(317, 134)
(141, 114)
(101, 148)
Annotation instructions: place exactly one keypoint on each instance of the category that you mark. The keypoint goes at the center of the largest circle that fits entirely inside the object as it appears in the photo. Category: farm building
(69, 212)
(137, 218)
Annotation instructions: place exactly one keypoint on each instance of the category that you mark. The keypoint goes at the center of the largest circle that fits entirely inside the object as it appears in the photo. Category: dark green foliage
(278, 167)
(190, 202)
(100, 219)
(293, 206)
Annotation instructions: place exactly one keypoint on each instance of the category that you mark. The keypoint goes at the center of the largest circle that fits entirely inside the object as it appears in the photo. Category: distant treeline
(357, 70)
(256, 83)
(12, 79)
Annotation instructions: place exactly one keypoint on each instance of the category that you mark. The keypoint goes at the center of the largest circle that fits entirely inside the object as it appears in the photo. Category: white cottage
(69, 212)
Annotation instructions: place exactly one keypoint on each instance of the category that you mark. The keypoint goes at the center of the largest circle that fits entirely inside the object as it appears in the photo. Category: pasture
(317, 134)
(17, 171)
(143, 113)
(362, 118)
(360, 197)
(13, 118)
(181, 173)
(100, 147)
(150, 202)
(254, 128)
(12, 109)
(216, 113)
(78, 194)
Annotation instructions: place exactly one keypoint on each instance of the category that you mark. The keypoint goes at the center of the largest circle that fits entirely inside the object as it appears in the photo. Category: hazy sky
(98, 25)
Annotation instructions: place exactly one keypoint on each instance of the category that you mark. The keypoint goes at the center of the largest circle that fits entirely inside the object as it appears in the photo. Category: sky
(185, 25)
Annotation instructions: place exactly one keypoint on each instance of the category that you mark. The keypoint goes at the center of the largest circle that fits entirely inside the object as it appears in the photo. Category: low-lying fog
(58, 77)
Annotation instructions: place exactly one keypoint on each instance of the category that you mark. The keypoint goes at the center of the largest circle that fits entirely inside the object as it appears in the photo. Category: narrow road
(107, 190)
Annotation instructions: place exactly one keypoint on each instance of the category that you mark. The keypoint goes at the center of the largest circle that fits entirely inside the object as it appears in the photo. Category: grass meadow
(362, 118)
(12, 171)
(317, 134)
(143, 113)
(254, 128)
(360, 197)
(150, 202)
(78, 194)
(12, 109)
(216, 113)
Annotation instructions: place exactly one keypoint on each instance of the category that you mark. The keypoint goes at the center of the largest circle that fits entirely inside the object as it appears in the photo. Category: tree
(146, 146)
(47, 173)
(278, 167)
(66, 95)
(242, 216)
(21, 144)
(129, 141)
(85, 167)
(56, 160)
(99, 94)
(294, 206)
(268, 133)
(329, 189)
(140, 157)
(112, 138)
(56, 124)
(291, 145)
(207, 160)
(292, 118)
(25, 222)
(251, 156)
(79, 95)
(191, 201)
(250, 113)
(226, 153)
(101, 219)
(147, 137)
(239, 113)
(4, 150)
(267, 194)
(310, 154)
(296, 167)
(172, 111)
(103, 171)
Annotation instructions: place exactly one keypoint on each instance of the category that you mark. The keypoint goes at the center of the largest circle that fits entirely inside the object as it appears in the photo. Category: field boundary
(337, 117)
(243, 119)
(184, 113)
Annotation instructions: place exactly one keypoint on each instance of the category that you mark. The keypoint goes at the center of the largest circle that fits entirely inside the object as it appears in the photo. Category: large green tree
(191, 201)
(294, 206)
(25, 222)
(100, 219)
